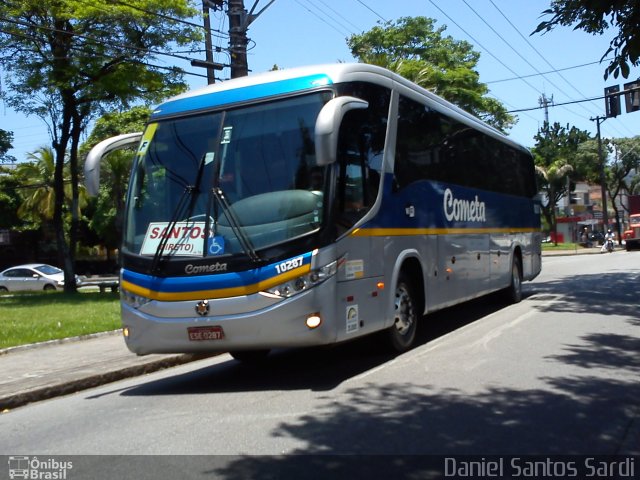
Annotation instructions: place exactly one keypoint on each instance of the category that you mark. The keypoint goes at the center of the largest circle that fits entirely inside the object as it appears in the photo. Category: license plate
(198, 334)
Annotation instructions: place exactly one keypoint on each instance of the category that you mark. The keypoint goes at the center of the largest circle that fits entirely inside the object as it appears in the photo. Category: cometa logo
(462, 210)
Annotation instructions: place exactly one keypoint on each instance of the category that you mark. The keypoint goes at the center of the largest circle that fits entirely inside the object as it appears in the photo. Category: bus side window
(358, 179)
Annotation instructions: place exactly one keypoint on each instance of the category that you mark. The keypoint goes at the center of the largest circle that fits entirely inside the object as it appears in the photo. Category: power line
(542, 73)
(319, 17)
(339, 14)
(555, 70)
(544, 59)
(372, 11)
(482, 46)
(87, 38)
(556, 104)
(524, 59)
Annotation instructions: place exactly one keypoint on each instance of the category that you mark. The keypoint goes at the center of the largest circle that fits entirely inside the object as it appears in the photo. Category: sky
(513, 63)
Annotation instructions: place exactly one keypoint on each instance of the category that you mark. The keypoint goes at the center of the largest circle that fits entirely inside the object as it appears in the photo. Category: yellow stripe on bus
(395, 232)
(216, 293)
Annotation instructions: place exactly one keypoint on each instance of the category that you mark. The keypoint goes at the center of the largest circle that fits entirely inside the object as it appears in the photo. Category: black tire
(250, 356)
(49, 288)
(402, 333)
(4, 289)
(513, 292)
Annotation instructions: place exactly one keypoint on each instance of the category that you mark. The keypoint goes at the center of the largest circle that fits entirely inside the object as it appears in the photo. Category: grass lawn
(562, 246)
(39, 316)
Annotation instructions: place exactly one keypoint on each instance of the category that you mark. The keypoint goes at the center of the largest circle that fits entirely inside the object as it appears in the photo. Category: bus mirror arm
(97, 153)
(328, 127)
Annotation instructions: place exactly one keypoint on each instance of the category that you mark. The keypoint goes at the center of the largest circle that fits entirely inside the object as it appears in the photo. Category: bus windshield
(227, 182)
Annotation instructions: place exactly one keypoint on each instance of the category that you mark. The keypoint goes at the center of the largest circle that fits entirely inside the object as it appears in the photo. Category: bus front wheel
(405, 320)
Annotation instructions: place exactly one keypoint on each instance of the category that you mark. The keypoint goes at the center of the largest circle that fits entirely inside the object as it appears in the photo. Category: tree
(557, 157)
(595, 17)
(414, 48)
(37, 193)
(73, 59)
(625, 160)
(5, 145)
(107, 218)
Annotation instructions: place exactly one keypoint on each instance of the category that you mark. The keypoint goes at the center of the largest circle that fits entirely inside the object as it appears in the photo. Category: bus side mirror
(328, 126)
(97, 153)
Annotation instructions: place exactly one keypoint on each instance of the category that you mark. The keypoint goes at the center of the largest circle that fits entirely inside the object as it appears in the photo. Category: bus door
(357, 185)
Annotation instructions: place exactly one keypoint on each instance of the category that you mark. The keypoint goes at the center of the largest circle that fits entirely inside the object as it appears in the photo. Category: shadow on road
(317, 369)
(603, 294)
(403, 419)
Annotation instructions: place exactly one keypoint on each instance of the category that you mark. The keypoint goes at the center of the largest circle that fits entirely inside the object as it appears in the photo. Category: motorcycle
(608, 245)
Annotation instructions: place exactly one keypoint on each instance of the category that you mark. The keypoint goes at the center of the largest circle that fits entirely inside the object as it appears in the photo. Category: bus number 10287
(289, 265)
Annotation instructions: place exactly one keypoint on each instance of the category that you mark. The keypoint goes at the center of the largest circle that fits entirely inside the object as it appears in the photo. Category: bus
(312, 206)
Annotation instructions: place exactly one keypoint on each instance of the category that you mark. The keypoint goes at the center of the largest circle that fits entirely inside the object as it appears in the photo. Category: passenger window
(359, 164)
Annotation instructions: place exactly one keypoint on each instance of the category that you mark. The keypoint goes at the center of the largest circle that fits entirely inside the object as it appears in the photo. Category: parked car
(32, 276)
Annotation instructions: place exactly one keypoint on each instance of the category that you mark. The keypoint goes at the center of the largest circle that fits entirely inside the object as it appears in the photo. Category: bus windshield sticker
(146, 138)
(353, 322)
(354, 269)
(226, 135)
(185, 238)
(215, 245)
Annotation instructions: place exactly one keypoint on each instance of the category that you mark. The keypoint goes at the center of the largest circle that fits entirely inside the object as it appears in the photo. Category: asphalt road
(555, 374)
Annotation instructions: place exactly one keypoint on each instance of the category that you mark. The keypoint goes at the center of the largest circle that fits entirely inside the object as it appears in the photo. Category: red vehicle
(632, 235)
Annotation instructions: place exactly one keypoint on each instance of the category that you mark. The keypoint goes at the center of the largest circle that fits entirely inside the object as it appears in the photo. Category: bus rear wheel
(513, 292)
(405, 320)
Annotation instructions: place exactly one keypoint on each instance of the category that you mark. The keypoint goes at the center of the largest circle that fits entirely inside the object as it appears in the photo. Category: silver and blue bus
(312, 206)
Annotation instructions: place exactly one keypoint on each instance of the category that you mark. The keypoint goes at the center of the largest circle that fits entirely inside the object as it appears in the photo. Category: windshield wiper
(187, 194)
(245, 243)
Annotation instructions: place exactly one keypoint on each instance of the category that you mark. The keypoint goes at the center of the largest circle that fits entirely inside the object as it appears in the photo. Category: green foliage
(625, 161)
(5, 145)
(106, 218)
(9, 199)
(74, 59)
(414, 48)
(557, 157)
(596, 17)
(37, 317)
(99, 55)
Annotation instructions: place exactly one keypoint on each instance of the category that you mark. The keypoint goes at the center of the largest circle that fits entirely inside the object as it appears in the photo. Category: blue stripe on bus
(210, 282)
(427, 199)
(241, 94)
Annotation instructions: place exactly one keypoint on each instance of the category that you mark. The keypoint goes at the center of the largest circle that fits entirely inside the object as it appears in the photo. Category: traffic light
(612, 101)
(632, 96)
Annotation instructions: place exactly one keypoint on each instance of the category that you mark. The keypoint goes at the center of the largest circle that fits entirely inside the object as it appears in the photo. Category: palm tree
(38, 195)
(552, 181)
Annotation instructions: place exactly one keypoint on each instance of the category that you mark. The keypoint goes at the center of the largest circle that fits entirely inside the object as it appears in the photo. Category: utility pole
(208, 63)
(208, 47)
(238, 38)
(544, 102)
(603, 186)
(239, 21)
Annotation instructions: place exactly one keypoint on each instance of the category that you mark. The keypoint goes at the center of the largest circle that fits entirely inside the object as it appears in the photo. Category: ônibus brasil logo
(34, 468)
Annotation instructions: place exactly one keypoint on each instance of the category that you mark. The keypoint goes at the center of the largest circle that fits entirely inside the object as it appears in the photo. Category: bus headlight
(305, 282)
(133, 300)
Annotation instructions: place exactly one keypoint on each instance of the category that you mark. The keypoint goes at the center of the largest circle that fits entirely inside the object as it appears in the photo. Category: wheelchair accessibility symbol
(216, 246)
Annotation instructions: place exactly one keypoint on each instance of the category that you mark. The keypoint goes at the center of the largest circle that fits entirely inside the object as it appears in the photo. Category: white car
(32, 276)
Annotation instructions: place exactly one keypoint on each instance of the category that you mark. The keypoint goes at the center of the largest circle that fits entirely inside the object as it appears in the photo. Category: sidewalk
(579, 251)
(37, 372)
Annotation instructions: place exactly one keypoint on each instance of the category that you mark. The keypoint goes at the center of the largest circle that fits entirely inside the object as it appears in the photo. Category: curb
(20, 399)
(58, 341)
